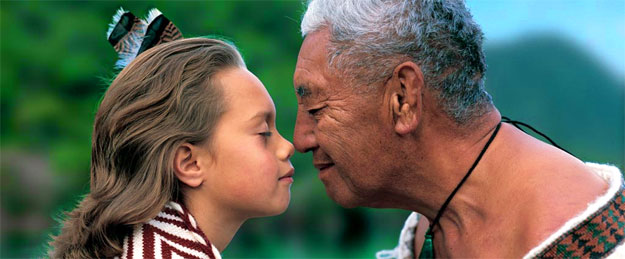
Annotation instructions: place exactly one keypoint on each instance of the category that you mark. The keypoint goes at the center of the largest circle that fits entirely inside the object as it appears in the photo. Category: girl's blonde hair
(164, 98)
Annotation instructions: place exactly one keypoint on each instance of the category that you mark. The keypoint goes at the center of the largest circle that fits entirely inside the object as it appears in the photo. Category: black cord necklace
(427, 251)
(517, 123)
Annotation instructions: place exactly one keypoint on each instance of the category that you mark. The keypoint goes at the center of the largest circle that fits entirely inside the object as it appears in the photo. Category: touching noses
(303, 135)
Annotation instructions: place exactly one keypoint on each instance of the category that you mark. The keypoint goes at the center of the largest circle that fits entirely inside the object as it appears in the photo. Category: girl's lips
(288, 175)
(288, 179)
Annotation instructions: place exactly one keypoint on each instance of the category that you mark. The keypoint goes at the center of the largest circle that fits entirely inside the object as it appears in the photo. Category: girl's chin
(275, 210)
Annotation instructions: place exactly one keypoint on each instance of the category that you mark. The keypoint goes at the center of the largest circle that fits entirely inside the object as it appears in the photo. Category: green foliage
(54, 56)
(550, 83)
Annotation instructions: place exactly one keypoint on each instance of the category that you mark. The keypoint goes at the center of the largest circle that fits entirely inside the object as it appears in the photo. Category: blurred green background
(54, 56)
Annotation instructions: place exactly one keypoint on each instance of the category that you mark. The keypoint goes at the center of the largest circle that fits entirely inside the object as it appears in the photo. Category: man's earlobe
(186, 165)
(407, 120)
(406, 101)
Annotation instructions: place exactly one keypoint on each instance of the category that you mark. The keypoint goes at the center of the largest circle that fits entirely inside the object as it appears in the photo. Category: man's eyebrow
(303, 91)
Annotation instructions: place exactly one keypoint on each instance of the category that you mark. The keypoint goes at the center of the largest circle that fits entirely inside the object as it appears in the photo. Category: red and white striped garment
(173, 233)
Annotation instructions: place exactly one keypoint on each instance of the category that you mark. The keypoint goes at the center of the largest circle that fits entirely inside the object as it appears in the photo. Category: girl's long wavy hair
(164, 98)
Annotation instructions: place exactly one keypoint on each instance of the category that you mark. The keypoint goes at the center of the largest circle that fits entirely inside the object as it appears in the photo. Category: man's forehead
(315, 45)
(312, 58)
(311, 68)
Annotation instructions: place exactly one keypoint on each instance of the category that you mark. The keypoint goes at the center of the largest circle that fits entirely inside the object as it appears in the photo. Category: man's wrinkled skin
(394, 147)
(330, 112)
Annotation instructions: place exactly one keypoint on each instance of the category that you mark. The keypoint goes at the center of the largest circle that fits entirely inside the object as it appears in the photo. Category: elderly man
(391, 102)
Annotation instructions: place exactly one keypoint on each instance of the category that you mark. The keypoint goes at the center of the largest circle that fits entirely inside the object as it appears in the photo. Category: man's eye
(265, 134)
(314, 111)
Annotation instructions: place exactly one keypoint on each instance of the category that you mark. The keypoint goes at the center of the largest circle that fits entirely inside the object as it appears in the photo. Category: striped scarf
(173, 233)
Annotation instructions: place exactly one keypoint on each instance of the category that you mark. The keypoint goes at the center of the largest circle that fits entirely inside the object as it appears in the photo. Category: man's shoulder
(609, 173)
(606, 171)
(597, 231)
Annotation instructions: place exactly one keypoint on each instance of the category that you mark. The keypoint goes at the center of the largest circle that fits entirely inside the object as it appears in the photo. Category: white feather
(116, 18)
(152, 14)
(133, 43)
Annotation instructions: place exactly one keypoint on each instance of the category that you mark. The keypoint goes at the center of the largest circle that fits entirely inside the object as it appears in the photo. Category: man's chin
(337, 189)
(344, 198)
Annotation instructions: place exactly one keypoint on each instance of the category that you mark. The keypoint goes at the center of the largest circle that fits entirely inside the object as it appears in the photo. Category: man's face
(340, 125)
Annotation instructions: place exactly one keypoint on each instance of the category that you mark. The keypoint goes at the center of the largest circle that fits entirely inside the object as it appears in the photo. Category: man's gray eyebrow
(302, 91)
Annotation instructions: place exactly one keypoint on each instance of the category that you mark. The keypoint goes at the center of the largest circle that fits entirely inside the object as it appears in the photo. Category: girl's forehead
(247, 98)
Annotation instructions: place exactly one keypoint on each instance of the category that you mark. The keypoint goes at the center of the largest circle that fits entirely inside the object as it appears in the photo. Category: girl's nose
(286, 150)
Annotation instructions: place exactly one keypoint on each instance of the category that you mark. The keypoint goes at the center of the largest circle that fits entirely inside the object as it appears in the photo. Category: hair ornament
(160, 30)
(130, 36)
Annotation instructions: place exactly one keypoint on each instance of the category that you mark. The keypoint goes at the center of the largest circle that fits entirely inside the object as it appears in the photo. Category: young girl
(184, 150)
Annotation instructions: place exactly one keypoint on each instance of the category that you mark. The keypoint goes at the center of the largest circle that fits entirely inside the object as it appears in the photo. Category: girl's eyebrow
(262, 115)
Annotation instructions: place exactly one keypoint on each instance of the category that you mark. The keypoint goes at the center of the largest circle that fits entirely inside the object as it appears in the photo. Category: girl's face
(249, 171)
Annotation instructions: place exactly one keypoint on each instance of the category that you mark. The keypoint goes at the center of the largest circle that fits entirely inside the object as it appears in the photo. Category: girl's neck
(218, 225)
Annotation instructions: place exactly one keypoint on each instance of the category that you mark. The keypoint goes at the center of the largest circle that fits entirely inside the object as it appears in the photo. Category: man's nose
(303, 135)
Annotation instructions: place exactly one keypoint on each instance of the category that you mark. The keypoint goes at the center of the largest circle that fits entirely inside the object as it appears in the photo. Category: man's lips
(322, 166)
(321, 160)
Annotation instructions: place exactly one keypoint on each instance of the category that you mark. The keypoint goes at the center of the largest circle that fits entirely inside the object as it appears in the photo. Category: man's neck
(447, 151)
(443, 153)
(483, 199)
(516, 180)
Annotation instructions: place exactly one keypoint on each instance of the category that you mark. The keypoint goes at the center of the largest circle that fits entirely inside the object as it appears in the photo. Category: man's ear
(187, 166)
(406, 99)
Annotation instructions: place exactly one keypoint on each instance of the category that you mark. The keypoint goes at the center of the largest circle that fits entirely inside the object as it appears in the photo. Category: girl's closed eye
(265, 136)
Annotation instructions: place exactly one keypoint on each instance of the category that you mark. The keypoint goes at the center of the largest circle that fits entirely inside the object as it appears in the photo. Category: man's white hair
(369, 38)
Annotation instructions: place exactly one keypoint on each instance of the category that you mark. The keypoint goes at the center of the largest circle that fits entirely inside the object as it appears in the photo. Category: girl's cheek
(272, 164)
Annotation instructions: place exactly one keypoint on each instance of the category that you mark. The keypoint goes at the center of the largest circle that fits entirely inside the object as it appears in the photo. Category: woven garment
(596, 237)
(173, 233)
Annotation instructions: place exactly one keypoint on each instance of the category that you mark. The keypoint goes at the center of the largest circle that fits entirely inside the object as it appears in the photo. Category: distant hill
(560, 89)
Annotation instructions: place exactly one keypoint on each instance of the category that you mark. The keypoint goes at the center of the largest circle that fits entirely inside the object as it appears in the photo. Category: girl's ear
(187, 166)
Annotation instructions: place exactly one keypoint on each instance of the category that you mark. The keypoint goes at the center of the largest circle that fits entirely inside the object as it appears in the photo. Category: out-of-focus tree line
(55, 59)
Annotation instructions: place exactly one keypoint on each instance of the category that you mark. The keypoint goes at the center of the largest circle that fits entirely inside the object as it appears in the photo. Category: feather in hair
(159, 30)
(152, 14)
(126, 36)
(116, 19)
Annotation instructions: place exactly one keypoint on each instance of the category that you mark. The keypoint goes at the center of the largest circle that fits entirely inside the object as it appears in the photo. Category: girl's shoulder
(173, 232)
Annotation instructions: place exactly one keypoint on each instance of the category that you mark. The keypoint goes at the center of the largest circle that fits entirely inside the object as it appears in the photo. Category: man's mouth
(323, 166)
(321, 160)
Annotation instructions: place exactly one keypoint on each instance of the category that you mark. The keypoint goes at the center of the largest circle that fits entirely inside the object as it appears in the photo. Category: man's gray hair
(369, 38)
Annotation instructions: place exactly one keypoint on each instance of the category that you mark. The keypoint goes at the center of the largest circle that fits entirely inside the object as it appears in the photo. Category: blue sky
(597, 25)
